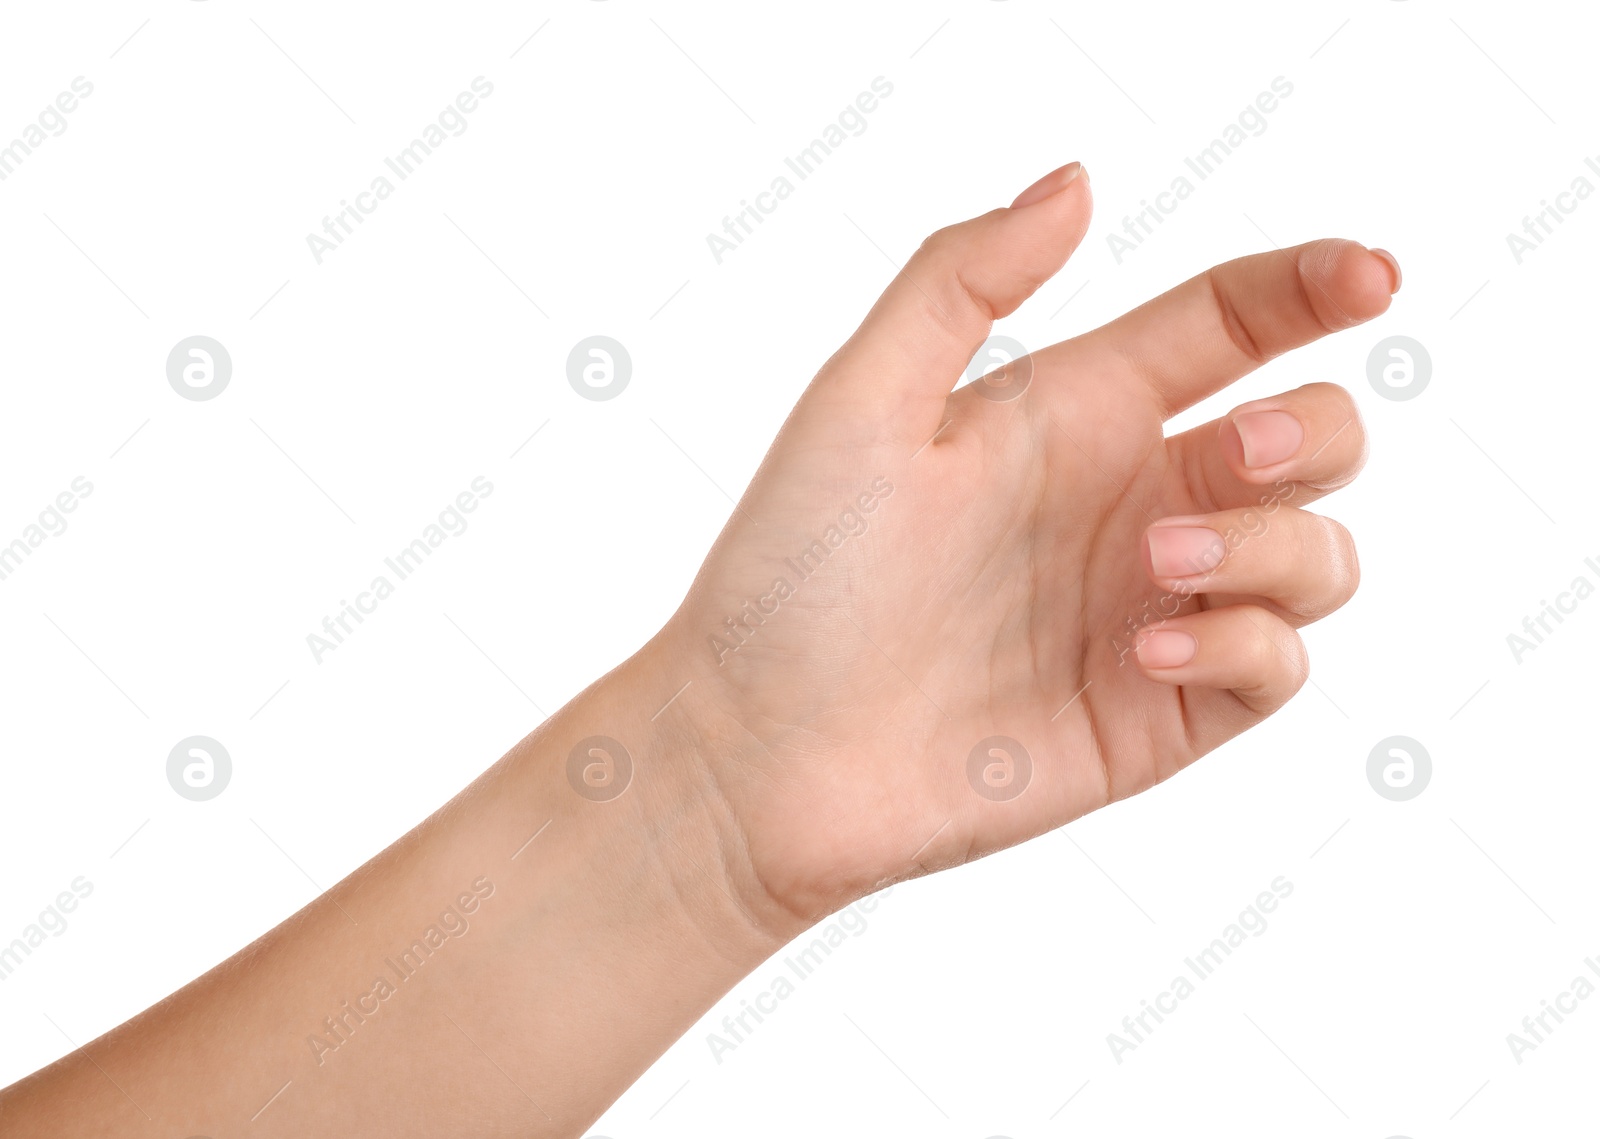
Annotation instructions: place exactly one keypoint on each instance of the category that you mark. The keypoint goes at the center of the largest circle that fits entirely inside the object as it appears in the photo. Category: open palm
(941, 623)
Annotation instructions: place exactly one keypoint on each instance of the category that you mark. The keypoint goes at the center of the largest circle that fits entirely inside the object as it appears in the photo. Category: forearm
(470, 972)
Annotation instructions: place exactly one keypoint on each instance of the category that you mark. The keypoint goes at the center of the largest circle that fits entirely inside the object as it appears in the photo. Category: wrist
(627, 766)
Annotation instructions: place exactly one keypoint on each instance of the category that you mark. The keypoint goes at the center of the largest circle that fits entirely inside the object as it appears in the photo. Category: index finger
(1225, 323)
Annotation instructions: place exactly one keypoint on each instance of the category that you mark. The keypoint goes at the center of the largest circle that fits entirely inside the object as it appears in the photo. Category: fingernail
(1394, 269)
(1167, 648)
(1183, 551)
(1268, 436)
(1052, 183)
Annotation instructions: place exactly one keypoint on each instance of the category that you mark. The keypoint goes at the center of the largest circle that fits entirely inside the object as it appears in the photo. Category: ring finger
(1302, 564)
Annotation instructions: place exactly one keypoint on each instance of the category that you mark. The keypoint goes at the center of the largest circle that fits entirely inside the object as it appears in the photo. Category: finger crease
(1233, 324)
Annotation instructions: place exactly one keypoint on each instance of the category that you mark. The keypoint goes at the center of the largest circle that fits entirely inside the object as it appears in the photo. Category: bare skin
(911, 573)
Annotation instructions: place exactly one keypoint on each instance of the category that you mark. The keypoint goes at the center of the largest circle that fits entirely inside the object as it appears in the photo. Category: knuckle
(1270, 659)
(1328, 554)
(1336, 396)
(944, 243)
(944, 262)
(1289, 657)
(1232, 320)
(1348, 454)
(1342, 566)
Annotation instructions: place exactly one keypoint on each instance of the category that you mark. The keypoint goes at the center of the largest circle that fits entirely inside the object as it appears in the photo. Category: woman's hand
(941, 623)
(956, 621)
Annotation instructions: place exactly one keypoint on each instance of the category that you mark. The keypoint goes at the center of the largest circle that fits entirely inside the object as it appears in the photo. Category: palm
(995, 589)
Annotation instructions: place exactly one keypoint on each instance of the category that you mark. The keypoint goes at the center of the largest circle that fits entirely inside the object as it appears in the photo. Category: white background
(369, 390)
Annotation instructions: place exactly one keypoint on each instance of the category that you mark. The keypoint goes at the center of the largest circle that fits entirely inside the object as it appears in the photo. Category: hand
(910, 574)
(913, 571)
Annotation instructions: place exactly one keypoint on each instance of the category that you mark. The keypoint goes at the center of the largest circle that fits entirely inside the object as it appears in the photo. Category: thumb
(925, 328)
